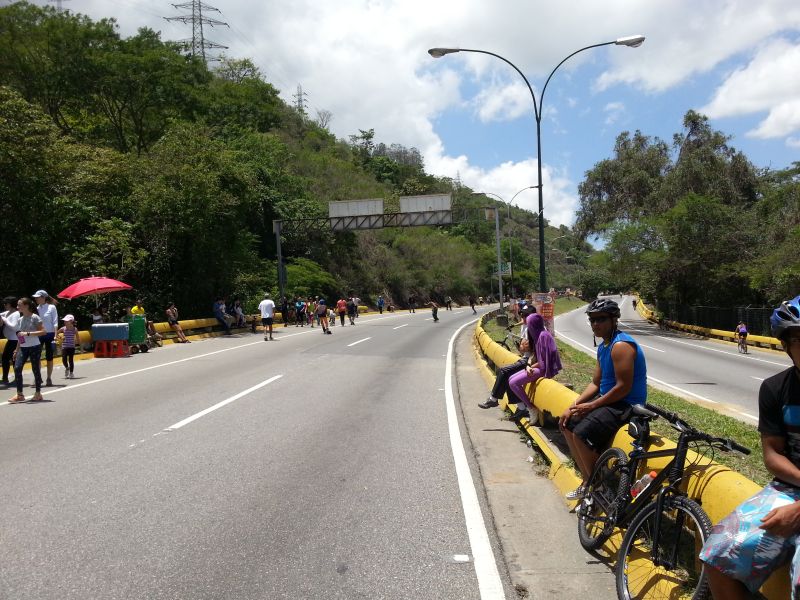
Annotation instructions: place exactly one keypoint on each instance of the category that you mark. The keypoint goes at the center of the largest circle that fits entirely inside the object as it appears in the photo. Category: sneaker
(49, 382)
(577, 494)
(266, 339)
(271, 338)
(519, 414)
(490, 403)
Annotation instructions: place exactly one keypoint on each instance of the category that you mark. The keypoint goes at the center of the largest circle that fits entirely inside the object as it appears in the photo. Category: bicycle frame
(671, 473)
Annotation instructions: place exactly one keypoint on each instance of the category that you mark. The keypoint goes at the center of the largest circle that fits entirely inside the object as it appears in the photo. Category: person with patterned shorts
(763, 533)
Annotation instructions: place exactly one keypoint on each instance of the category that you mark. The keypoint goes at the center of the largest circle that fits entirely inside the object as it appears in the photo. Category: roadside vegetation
(577, 373)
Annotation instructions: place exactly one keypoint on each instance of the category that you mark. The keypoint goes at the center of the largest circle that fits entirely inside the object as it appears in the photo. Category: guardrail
(718, 488)
(759, 341)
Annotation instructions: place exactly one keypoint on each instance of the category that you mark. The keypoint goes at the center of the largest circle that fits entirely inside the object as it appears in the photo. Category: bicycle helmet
(603, 305)
(785, 317)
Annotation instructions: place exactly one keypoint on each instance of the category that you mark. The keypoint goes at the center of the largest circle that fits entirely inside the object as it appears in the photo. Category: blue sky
(470, 115)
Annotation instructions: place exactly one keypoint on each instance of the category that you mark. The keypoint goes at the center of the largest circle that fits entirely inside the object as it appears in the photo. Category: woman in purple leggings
(544, 360)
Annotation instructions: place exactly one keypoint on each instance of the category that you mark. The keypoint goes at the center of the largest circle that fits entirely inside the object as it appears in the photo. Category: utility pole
(198, 43)
(300, 100)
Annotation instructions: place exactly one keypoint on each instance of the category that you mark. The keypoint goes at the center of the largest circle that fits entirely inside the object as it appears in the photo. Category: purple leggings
(518, 381)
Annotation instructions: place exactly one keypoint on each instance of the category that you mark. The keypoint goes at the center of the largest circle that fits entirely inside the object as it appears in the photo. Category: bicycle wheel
(679, 572)
(609, 480)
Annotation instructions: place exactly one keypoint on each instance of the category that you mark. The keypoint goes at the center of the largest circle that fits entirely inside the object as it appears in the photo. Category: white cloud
(503, 103)
(769, 82)
(613, 110)
(793, 142)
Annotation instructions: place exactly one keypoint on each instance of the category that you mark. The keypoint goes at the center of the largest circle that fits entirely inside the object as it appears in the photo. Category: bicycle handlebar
(683, 427)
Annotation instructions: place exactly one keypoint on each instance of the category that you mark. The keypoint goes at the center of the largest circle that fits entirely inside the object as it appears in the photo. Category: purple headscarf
(545, 346)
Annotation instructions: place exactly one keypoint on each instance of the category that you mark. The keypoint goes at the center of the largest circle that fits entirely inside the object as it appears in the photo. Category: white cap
(41, 294)
(68, 318)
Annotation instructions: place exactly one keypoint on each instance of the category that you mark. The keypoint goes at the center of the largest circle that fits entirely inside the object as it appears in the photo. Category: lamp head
(440, 52)
(632, 41)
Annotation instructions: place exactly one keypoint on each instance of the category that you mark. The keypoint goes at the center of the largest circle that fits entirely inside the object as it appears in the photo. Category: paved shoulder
(537, 533)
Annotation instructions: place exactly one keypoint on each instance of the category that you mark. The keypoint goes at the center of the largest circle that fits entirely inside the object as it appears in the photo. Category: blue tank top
(638, 393)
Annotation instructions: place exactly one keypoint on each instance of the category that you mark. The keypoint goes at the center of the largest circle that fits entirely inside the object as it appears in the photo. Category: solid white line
(400, 326)
(359, 341)
(756, 378)
(701, 347)
(489, 583)
(202, 413)
(649, 347)
(649, 377)
(749, 415)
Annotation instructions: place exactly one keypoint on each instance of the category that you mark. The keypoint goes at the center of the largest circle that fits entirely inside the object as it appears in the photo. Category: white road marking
(400, 326)
(461, 558)
(359, 341)
(701, 347)
(489, 583)
(649, 347)
(649, 377)
(210, 409)
(756, 378)
(749, 415)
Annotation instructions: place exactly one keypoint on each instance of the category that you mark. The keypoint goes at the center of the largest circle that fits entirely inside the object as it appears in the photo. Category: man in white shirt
(267, 308)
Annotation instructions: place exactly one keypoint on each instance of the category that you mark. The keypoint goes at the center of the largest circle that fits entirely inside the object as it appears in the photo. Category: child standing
(70, 341)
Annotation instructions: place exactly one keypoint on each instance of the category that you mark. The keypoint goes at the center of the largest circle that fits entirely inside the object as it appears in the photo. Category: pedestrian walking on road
(267, 309)
(322, 315)
(10, 320)
(341, 307)
(448, 301)
(69, 341)
(351, 310)
(472, 305)
(30, 330)
(381, 302)
(412, 304)
(47, 311)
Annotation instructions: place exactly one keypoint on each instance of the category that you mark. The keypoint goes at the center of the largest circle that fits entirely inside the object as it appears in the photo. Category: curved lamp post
(633, 41)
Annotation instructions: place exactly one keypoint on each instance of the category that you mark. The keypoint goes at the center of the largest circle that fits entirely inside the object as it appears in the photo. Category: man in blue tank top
(619, 381)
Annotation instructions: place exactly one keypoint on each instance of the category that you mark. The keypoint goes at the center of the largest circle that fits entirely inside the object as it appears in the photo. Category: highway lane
(705, 370)
(309, 467)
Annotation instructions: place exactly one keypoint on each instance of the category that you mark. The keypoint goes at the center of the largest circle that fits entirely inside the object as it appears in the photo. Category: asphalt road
(309, 467)
(705, 370)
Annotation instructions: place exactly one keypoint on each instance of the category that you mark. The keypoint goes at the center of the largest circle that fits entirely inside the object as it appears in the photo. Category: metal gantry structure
(429, 218)
(198, 43)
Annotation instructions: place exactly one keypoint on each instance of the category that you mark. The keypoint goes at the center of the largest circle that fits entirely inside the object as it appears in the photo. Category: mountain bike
(511, 341)
(742, 344)
(658, 557)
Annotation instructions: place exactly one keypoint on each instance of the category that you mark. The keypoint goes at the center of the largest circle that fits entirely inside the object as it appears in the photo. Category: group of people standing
(30, 326)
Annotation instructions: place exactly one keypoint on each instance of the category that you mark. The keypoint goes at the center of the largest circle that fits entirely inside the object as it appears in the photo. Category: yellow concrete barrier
(719, 489)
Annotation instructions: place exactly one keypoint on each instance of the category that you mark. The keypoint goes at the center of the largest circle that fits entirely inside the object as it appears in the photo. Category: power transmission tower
(300, 102)
(198, 44)
(59, 5)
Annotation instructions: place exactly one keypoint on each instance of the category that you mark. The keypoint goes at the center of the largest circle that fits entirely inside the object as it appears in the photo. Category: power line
(198, 43)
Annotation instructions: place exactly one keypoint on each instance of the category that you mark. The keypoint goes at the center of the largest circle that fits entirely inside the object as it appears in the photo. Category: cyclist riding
(741, 335)
(763, 533)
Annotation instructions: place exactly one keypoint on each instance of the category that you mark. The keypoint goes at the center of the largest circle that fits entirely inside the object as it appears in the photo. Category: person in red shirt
(341, 308)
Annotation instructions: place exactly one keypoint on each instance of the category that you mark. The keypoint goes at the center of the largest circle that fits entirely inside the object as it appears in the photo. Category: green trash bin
(137, 333)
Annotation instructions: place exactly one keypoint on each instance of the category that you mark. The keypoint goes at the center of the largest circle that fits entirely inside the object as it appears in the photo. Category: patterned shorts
(741, 550)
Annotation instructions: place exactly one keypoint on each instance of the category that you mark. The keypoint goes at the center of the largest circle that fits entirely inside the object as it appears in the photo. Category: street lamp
(510, 241)
(633, 41)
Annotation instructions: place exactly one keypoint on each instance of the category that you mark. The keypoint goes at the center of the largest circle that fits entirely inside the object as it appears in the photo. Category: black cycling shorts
(599, 427)
(265, 321)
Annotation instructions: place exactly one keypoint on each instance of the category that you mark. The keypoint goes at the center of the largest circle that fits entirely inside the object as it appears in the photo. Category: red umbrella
(92, 285)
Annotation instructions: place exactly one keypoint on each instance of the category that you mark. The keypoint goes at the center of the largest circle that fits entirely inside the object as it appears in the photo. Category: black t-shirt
(779, 410)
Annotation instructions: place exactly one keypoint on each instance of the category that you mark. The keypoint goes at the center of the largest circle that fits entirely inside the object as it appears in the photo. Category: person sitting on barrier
(619, 381)
(500, 387)
(543, 362)
(219, 313)
(172, 319)
(763, 533)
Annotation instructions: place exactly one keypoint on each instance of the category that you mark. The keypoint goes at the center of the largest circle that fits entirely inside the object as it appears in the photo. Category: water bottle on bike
(640, 485)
